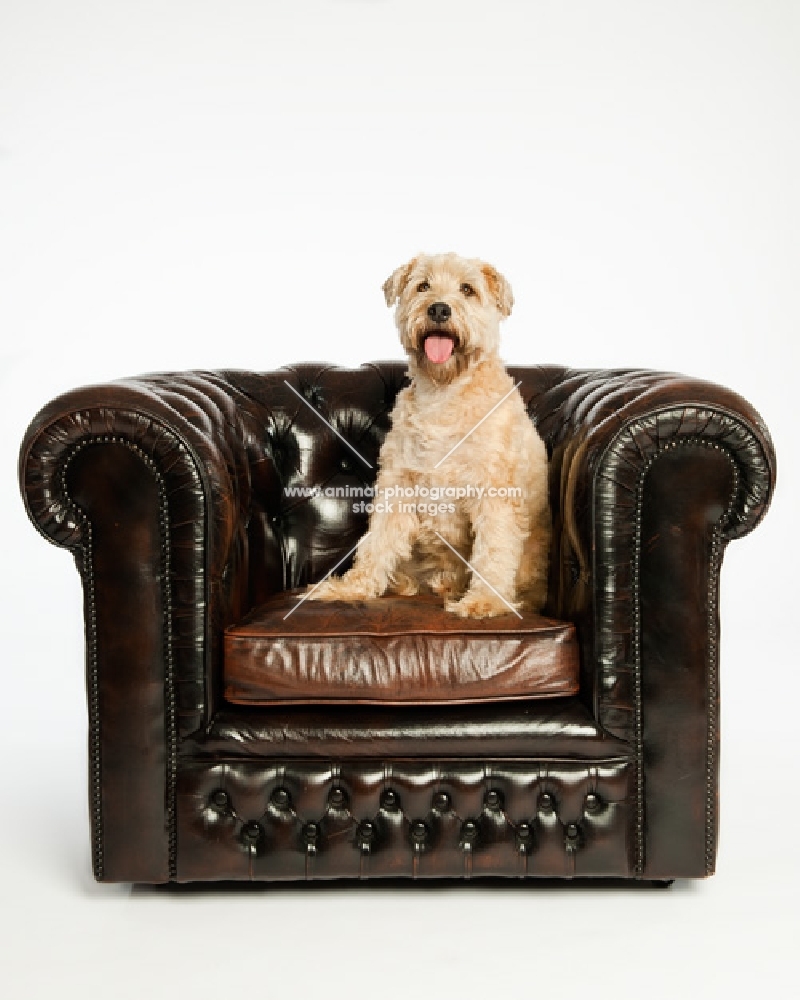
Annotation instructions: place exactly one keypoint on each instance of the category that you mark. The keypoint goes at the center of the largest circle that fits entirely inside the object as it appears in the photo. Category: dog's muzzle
(439, 347)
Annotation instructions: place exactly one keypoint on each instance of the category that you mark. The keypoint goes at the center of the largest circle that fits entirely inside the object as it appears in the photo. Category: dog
(459, 433)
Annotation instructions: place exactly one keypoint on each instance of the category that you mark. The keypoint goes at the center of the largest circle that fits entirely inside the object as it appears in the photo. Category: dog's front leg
(499, 535)
(386, 546)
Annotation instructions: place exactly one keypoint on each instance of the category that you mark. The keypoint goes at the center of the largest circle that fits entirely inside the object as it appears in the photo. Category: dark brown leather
(179, 481)
(684, 512)
(547, 728)
(665, 472)
(118, 496)
(258, 820)
(397, 650)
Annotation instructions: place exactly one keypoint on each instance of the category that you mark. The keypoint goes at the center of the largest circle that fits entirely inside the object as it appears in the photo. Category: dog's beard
(441, 372)
(445, 372)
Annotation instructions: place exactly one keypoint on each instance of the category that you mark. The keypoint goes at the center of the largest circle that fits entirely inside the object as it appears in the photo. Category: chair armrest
(147, 481)
(614, 428)
(198, 438)
(657, 474)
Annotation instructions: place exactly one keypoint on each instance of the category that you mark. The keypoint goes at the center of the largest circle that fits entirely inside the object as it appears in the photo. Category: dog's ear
(499, 289)
(397, 281)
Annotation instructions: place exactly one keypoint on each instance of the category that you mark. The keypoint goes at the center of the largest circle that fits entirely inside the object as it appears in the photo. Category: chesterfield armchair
(171, 493)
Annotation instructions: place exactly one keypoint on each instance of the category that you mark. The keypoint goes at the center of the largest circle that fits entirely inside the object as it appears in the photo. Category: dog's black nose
(439, 312)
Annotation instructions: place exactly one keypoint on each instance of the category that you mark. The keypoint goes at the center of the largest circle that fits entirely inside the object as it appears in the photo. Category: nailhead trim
(712, 721)
(713, 685)
(171, 734)
(95, 764)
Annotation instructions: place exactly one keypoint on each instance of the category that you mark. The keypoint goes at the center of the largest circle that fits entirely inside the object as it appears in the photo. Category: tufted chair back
(319, 426)
(282, 541)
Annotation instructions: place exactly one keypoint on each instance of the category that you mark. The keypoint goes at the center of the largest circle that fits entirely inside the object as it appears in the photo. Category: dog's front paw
(403, 585)
(342, 588)
(325, 591)
(446, 585)
(479, 605)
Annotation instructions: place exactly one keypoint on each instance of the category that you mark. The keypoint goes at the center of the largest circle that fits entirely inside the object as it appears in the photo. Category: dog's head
(448, 312)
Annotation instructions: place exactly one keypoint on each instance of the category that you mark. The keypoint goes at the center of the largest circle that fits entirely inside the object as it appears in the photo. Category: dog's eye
(467, 289)
(423, 286)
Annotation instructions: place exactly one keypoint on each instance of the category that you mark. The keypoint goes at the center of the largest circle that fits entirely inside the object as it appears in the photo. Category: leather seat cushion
(394, 650)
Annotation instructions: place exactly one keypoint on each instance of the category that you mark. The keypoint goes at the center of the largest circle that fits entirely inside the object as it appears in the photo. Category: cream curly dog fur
(448, 315)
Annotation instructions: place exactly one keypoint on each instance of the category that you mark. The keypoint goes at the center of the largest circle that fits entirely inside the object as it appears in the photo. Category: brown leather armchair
(170, 492)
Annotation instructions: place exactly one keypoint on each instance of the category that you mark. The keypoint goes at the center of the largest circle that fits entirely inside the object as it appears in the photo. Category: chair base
(302, 820)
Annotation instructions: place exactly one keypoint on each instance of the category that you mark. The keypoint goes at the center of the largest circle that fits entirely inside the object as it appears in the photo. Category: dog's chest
(423, 437)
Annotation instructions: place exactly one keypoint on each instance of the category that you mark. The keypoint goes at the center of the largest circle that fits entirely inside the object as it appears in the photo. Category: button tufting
(390, 800)
(493, 799)
(311, 834)
(309, 392)
(469, 833)
(220, 800)
(280, 798)
(337, 798)
(524, 838)
(546, 802)
(592, 802)
(252, 832)
(572, 837)
(365, 834)
(441, 802)
(419, 832)
(345, 464)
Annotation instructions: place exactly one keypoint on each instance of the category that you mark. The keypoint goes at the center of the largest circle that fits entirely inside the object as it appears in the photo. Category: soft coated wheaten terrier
(459, 435)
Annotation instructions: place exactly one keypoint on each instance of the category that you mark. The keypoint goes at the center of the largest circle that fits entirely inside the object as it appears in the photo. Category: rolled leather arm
(196, 436)
(613, 429)
(657, 473)
(147, 481)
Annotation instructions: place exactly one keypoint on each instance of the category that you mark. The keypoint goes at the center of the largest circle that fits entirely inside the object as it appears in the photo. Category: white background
(209, 184)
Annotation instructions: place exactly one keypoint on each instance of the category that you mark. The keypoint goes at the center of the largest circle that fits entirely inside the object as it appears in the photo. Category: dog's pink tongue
(438, 348)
